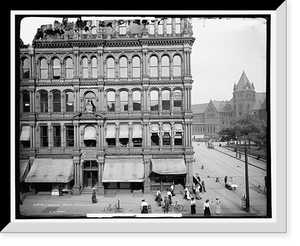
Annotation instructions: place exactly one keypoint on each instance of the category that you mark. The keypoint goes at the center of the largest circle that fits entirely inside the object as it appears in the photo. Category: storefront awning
(90, 133)
(178, 127)
(154, 128)
(24, 166)
(51, 171)
(137, 131)
(25, 134)
(168, 166)
(123, 131)
(110, 131)
(123, 170)
(166, 127)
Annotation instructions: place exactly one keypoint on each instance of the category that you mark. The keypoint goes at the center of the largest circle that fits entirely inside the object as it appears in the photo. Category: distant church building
(212, 117)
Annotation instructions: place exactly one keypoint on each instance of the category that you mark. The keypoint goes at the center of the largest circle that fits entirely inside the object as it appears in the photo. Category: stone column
(146, 174)
(50, 137)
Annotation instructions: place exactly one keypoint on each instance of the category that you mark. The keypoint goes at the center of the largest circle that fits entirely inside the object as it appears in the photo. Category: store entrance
(90, 174)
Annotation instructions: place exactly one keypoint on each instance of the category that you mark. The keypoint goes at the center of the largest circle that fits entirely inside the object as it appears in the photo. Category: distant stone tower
(243, 96)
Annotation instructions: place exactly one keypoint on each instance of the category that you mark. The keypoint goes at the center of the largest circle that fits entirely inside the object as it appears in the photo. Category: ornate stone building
(212, 117)
(107, 105)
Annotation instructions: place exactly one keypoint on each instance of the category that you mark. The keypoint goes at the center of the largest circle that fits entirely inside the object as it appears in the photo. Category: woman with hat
(218, 206)
(144, 206)
(206, 208)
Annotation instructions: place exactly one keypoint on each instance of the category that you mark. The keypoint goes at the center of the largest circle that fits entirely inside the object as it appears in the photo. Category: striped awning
(51, 171)
(24, 166)
(111, 131)
(123, 170)
(25, 134)
(124, 131)
(168, 166)
(137, 131)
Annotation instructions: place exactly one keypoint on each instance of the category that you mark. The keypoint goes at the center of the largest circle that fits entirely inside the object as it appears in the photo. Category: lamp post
(247, 181)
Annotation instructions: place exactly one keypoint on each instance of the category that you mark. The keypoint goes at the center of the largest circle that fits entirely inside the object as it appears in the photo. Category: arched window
(136, 67)
(153, 66)
(56, 101)
(165, 100)
(136, 96)
(26, 101)
(85, 68)
(89, 99)
(165, 66)
(69, 68)
(154, 100)
(124, 101)
(43, 69)
(110, 67)
(94, 67)
(177, 65)
(25, 69)
(177, 99)
(44, 102)
(123, 67)
(56, 68)
(69, 101)
(111, 101)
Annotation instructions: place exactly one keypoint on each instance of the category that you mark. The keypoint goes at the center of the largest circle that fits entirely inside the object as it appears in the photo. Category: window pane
(165, 65)
(136, 67)
(69, 68)
(56, 102)
(154, 100)
(26, 102)
(69, 102)
(56, 136)
(25, 68)
(110, 101)
(69, 136)
(136, 100)
(153, 66)
(165, 100)
(44, 69)
(44, 136)
(94, 67)
(177, 66)
(56, 68)
(177, 99)
(85, 71)
(124, 100)
(44, 102)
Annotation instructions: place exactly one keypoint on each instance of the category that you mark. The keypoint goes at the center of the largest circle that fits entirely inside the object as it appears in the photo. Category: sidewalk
(81, 206)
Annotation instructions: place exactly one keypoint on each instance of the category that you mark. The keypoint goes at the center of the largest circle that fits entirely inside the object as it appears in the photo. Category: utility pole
(247, 181)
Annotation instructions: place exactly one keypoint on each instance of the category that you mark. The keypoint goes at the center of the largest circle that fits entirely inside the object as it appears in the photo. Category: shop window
(123, 67)
(124, 101)
(136, 67)
(124, 142)
(154, 100)
(178, 138)
(154, 139)
(43, 69)
(56, 68)
(26, 102)
(165, 100)
(111, 101)
(44, 136)
(70, 136)
(56, 102)
(25, 68)
(56, 136)
(44, 102)
(69, 68)
(90, 143)
(136, 95)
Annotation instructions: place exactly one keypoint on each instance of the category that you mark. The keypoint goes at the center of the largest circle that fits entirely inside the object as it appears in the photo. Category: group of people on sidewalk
(167, 201)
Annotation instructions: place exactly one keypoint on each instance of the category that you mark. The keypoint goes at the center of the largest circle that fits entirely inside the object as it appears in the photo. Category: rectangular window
(44, 136)
(56, 136)
(70, 136)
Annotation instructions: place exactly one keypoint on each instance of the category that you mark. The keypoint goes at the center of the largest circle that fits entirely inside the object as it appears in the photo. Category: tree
(227, 134)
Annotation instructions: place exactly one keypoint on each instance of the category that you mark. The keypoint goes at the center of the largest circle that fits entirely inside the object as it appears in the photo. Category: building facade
(107, 105)
(210, 118)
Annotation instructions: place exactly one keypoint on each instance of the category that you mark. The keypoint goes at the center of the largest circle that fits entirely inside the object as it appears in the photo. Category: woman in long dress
(158, 197)
(218, 206)
(193, 206)
(206, 208)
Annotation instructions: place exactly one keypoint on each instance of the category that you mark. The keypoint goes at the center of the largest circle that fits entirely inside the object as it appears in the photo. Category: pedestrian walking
(166, 204)
(193, 206)
(172, 190)
(197, 192)
(144, 207)
(187, 194)
(203, 185)
(218, 206)
(225, 180)
(169, 194)
(94, 196)
(158, 197)
(206, 208)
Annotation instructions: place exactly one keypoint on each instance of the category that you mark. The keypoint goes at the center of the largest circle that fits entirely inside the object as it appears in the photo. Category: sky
(223, 49)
